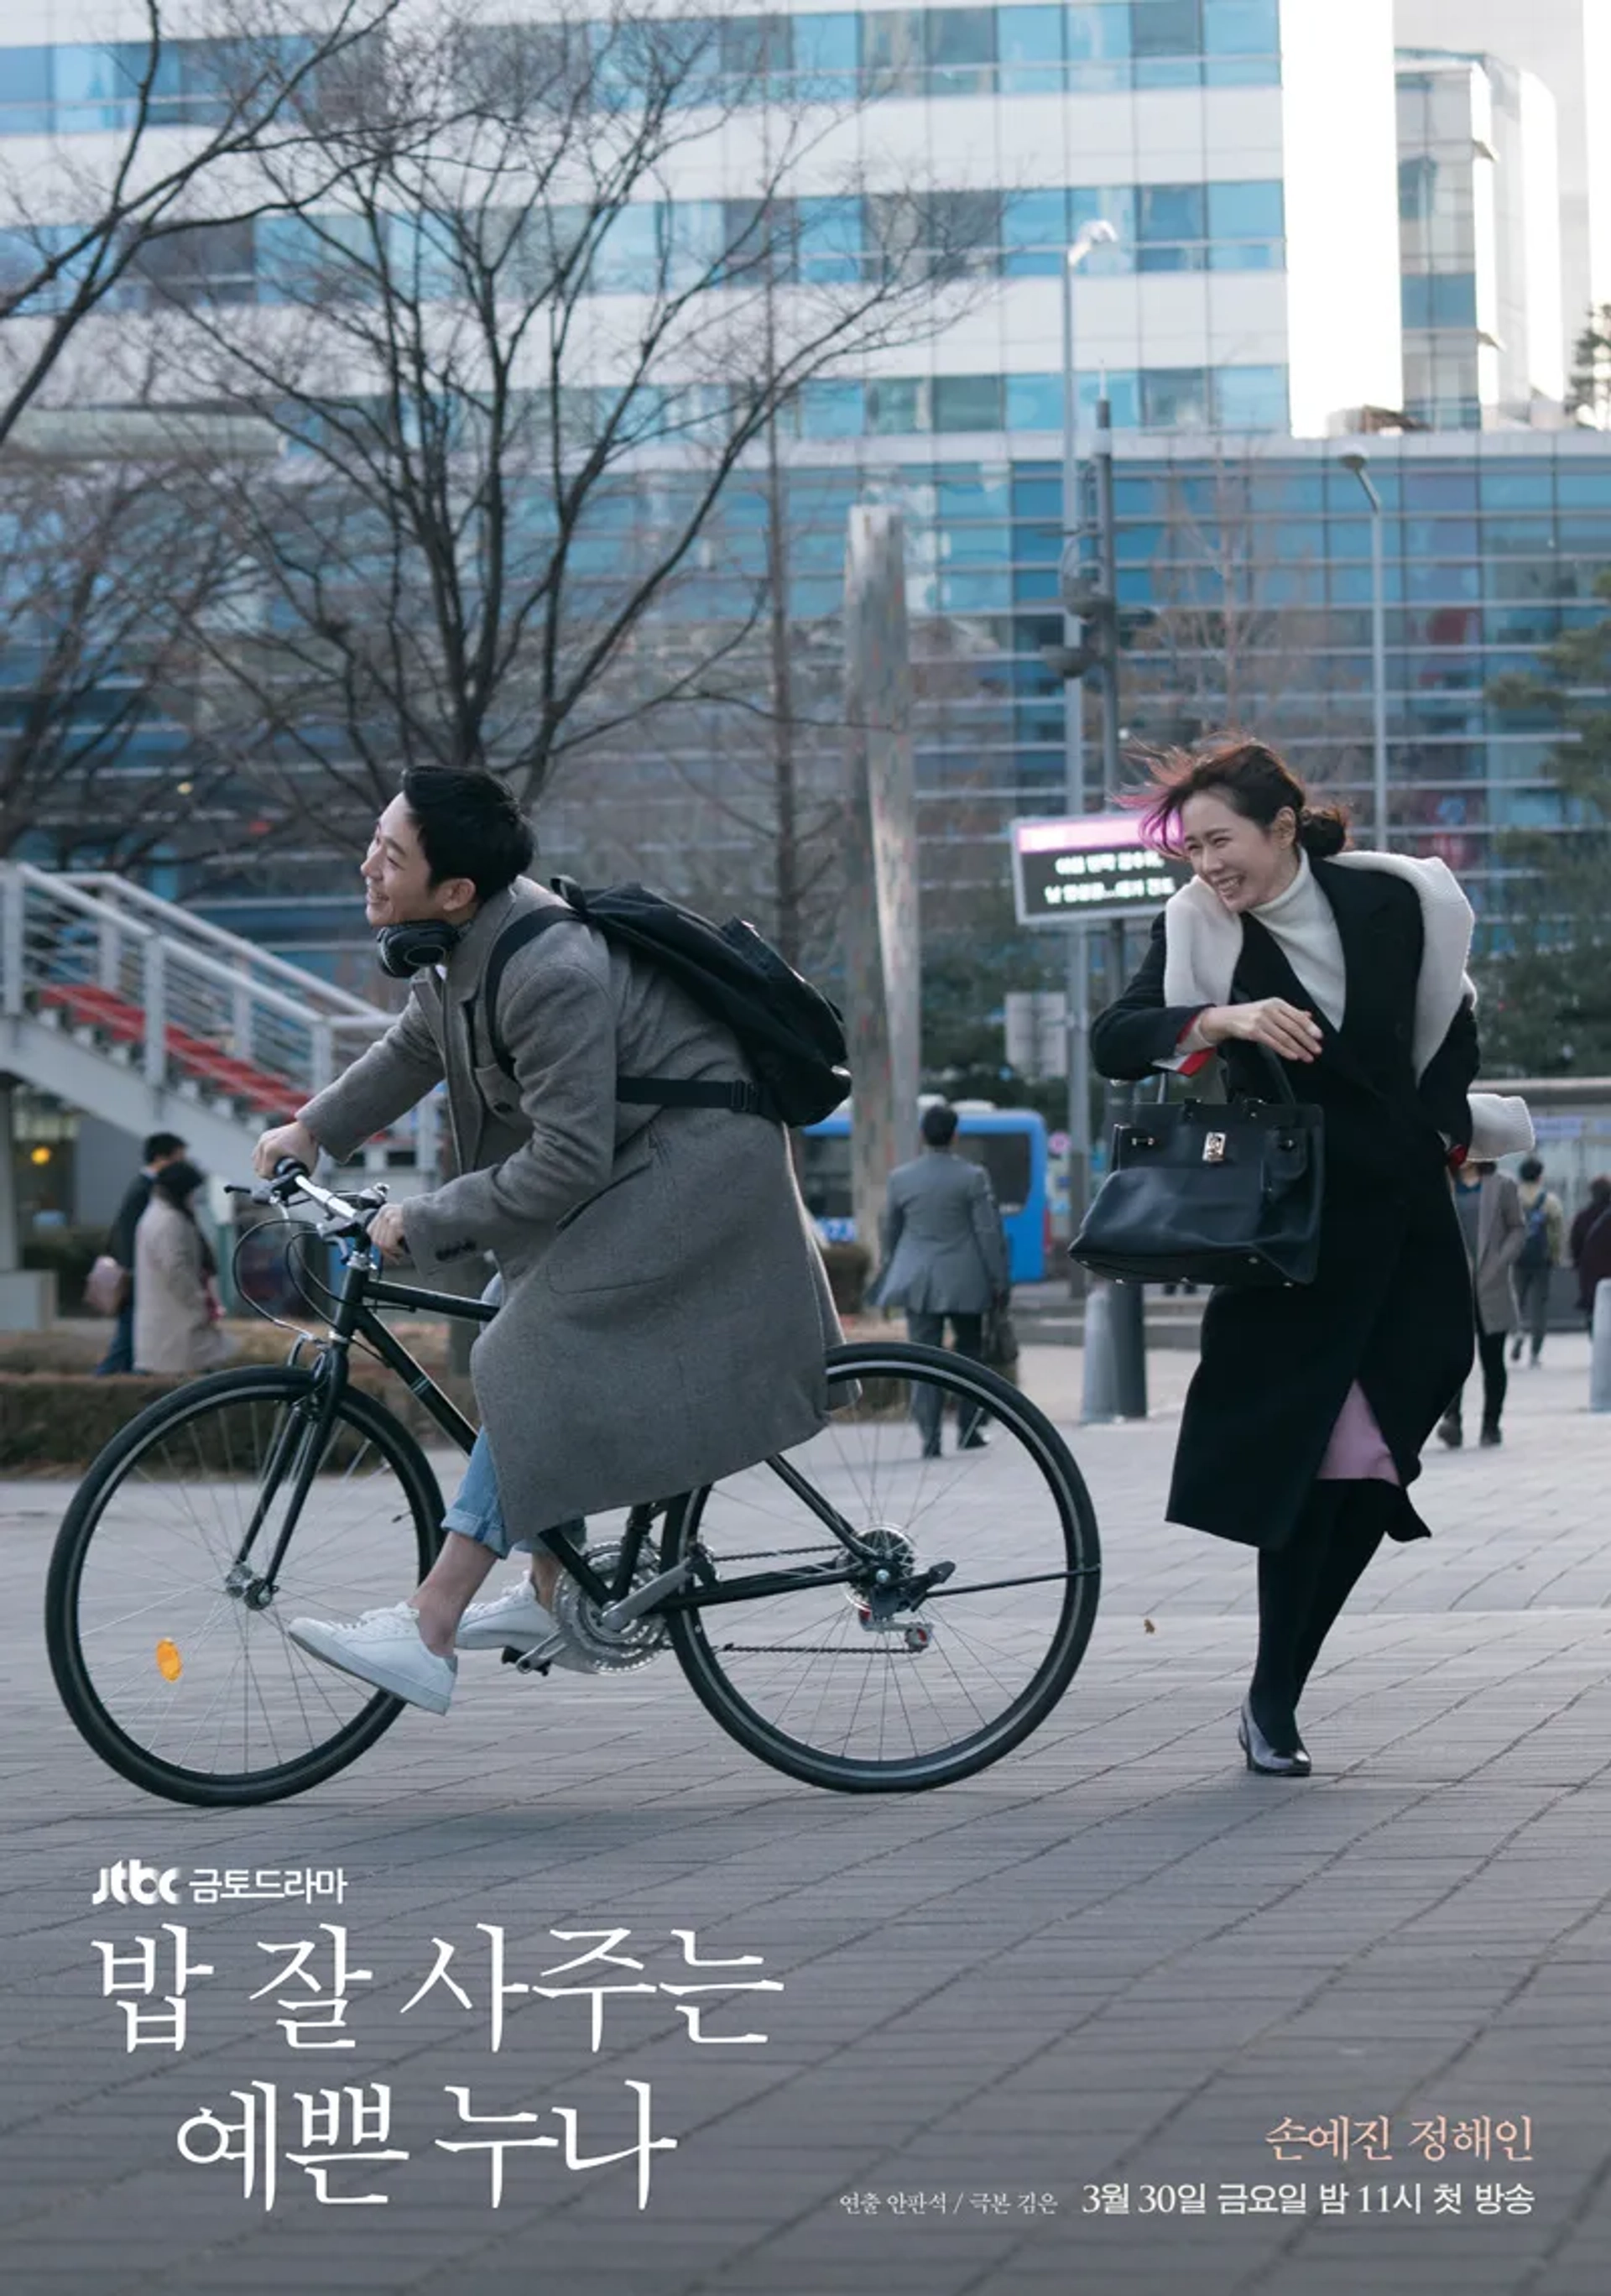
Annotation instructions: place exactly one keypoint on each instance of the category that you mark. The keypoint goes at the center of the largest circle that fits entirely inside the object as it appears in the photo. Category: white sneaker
(512, 1621)
(384, 1647)
(516, 1620)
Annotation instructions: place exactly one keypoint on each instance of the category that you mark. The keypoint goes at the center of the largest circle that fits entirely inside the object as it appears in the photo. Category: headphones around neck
(403, 950)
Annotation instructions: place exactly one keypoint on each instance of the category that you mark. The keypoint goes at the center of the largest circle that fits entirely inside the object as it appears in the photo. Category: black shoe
(977, 1440)
(931, 1446)
(1449, 1432)
(1515, 1352)
(1490, 1436)
(1261, 1755)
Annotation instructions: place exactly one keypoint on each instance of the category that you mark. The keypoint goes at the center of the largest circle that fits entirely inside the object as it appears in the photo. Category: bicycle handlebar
(343, 1216)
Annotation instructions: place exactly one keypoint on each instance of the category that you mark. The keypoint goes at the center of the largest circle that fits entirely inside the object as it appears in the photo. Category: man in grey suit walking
(944, 1260)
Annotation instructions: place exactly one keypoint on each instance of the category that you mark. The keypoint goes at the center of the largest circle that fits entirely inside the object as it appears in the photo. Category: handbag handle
(1281, 1081)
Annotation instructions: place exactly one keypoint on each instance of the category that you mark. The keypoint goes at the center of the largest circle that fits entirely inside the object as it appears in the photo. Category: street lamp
(1356, 462)
(1097, 232)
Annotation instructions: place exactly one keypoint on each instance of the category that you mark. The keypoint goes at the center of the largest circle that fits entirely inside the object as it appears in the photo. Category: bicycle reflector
(170, 1666)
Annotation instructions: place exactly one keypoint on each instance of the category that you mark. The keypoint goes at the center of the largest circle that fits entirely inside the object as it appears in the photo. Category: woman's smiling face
(1244, 864)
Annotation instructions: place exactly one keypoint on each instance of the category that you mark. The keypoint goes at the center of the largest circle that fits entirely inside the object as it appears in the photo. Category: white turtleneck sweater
(1301, 925)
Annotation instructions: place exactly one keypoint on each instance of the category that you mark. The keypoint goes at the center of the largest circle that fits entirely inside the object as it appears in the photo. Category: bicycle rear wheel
(168, 1649)
(931, 1674)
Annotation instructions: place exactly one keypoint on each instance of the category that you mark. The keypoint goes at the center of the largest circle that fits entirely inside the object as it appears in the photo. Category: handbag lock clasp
(1213, 1148)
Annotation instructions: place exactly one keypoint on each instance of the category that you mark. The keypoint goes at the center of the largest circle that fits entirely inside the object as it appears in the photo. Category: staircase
(128, 1008)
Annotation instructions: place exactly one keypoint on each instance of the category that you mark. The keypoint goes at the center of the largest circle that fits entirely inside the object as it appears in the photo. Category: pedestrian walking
(160, 1149)
(1305, 1420)
(1493, 1231)
(1542, 1253)
(944, 1261)
(1590, 1244)
(176, 1324)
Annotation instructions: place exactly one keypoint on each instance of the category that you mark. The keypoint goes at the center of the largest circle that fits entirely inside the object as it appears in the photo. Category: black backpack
(789, 1033)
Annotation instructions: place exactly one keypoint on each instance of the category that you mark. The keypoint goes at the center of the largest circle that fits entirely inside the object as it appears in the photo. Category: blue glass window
(1439, 299)
(1115, 203)
(1251, 397)
(1242, 41)
(825, 55)
(91, 87)
(829, 240)
(25, 91)
(1035, 234)
(696, 243)
(1098, 33)
(1031, 46)
(1582, 489)
(1170, 226)
(628, 258)
(1526, 490)
(832, 410)
(962, 50)
(893, 52)
(1174, 399)
(1168, 40)
(1034, 402)
(1246, 223)
(967, 402)
(896, 403)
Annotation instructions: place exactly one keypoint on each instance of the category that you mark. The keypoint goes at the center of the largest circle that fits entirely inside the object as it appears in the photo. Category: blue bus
(1010, 1143)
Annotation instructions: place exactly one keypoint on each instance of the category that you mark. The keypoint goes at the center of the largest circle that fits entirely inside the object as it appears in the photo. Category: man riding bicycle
(666, 1314)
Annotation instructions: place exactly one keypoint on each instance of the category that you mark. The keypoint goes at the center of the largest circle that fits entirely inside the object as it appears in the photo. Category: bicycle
(901, 1648)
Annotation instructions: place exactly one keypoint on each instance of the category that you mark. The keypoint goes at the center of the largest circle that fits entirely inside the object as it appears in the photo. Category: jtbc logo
(132, 1882)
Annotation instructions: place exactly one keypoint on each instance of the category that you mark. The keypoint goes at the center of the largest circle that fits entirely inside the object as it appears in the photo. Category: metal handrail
(119, 893)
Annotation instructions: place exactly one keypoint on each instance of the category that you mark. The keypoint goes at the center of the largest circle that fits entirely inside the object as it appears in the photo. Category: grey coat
(1501, 1228)
(945, 1249)
(667, 1314)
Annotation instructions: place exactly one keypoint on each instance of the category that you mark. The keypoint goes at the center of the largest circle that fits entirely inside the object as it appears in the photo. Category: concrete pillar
(882, 963)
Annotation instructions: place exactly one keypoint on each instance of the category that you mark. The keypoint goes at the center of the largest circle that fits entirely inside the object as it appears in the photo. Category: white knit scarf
(1203, 939)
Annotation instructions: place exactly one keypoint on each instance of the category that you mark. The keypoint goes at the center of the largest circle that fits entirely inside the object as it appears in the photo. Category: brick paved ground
(1116, 1958)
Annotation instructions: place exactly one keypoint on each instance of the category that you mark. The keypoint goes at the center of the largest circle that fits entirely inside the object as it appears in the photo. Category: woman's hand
(1290, 1033)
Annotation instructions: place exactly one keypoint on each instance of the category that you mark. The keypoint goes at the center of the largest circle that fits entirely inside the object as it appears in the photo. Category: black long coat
(1391, 1304)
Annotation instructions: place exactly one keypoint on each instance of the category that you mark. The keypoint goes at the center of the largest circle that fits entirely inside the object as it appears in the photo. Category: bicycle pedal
(510, 1657)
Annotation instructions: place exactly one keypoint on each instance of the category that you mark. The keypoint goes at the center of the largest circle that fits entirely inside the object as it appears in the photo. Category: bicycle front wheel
(168, 1643)
(959, 1635)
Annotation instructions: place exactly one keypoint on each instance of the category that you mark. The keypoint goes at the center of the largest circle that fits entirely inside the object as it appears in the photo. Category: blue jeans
(120, 1356)
(476, 1513)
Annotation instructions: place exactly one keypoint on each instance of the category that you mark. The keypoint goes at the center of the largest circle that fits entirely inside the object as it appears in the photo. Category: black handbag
(1200, 1193)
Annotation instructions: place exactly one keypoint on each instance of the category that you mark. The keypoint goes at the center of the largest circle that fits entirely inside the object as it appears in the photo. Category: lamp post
(1356, 463)
(1098, 232)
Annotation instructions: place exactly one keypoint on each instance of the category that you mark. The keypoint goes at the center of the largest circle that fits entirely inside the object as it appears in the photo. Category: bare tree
(513, 377)
(108, 564)
(253, 84)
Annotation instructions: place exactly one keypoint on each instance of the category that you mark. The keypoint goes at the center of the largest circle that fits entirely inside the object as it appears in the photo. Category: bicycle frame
(304, 1438)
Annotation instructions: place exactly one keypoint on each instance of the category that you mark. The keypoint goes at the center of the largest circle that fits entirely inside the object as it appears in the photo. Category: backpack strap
(743, 1097)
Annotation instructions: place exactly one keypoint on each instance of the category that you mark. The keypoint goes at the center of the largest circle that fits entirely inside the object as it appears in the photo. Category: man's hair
(162, 1144)
(1531, 1168)
(938, 1124)
(469, 827)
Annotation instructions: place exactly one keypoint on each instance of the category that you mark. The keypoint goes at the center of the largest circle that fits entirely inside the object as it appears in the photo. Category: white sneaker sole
(319, 1643)
(521, 1631)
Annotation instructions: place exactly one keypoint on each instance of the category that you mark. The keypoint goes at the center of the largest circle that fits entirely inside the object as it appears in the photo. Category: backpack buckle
(743, 1097)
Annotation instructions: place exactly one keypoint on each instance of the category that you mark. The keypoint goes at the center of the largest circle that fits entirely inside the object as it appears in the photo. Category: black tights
(1302, 1588)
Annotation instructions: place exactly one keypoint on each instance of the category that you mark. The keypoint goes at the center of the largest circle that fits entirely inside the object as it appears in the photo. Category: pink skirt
(1357, 1452)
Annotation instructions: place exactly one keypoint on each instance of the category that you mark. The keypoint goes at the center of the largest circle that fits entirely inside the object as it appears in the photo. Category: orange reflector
(170, 1666)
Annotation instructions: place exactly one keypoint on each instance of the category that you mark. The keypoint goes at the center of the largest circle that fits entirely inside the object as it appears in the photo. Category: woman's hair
(178, 1183)
(1249, 777)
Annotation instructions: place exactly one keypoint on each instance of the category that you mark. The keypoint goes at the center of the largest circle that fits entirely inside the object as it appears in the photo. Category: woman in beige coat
(175, 1327)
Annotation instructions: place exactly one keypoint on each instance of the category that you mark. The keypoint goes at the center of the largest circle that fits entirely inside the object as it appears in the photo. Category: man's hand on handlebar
(294, 1141)
(386, 1233)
